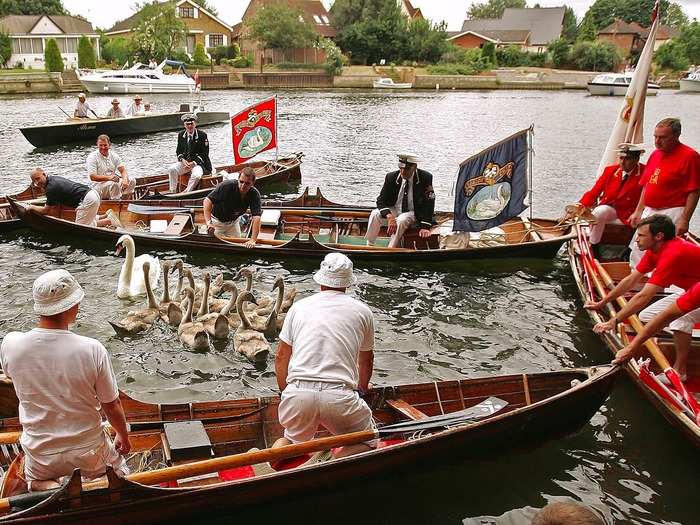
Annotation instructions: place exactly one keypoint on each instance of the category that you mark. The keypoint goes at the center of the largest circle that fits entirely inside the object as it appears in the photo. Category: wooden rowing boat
(613, 243)
(497, 413)
(304, 231)
(286, 170)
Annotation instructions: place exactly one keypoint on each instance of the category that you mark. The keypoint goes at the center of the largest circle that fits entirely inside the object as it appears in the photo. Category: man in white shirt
(82, 107)
(325, 356)
(115, 111)
(107, 172)
(62, 380)
(136, 108)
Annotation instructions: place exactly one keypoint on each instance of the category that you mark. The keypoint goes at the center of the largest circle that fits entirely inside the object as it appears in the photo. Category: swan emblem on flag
(491, 193)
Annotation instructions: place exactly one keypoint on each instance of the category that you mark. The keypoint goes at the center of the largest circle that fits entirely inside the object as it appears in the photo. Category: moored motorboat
(309, 232)
(388, 83)
(139, 79)
(420, 423)
(691, 82)
(616, 84)
(586, 271)
(87, 129)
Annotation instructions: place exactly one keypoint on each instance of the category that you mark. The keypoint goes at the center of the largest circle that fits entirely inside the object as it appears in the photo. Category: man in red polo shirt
(671, 181)
(675, 263)
(614, 196)
(687, 304)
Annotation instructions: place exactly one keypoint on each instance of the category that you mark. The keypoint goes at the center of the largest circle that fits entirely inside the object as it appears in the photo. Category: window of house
(71, 45)
(16, 45)
(37, 46)
(318, 20)
(216, 40)
(186, 12)
(25, 46)
(325, 20)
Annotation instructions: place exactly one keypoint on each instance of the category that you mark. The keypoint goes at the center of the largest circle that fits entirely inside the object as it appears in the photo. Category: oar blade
(483, 410)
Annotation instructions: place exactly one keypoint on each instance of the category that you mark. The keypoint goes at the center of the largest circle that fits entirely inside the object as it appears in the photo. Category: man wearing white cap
(62, 380)
(614, 196)
(406, 199)
(82, 107)
(325, 356)
(192, 155)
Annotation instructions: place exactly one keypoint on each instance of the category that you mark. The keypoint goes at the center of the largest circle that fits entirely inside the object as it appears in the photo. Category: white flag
(629, 126)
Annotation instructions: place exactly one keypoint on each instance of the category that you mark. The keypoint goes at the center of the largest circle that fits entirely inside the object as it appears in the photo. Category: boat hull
(618, 90)
(541, 407)
(90, 129)
(689, 85)
(124, 87)
(614, 343)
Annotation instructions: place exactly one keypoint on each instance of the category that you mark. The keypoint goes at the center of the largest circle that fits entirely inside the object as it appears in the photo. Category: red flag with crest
(254, 130)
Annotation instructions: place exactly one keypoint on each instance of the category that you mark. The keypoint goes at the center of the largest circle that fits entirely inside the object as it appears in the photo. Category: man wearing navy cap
(407, 198)
(192, 155)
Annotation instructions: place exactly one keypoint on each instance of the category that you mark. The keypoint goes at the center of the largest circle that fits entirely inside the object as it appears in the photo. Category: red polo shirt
(669, 177)
(610, 189)
(678, 262)
(690, 300)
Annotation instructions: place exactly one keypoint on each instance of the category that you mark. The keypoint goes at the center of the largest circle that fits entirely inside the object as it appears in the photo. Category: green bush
(5, 48)
(511, 56)
(86, 53)
(52, 56)
(220, 53)
(447, 68)
(595, 56)
(671, 55)
(488, 51)
(181, 56)
(241, 62)
(560, 50)
(200, 57)
(115, 50)
(334, 56)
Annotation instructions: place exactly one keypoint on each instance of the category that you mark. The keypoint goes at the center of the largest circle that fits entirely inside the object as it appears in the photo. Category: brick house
(202, 26)
(544, 24)
(313, 11)
(29, 33)
(630, 37)
(501, 38)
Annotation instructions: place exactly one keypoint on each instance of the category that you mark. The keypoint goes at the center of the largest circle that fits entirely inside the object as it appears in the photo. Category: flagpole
(530, 133)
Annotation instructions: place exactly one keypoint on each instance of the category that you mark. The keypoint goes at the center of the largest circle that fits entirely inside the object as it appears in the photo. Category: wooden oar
(653, 348)
(485, 409)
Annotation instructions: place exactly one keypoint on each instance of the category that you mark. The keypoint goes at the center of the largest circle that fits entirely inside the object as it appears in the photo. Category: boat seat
(406, 409)
(186, 440)
(270, 218)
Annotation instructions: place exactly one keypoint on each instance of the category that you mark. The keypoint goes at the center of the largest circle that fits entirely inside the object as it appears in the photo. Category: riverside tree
(52, 56)
(602, 13)
(31, 7)
(158, 32)
(86, 53)
(493, 8)
(5, 48)
(280, 26)
(690, 38)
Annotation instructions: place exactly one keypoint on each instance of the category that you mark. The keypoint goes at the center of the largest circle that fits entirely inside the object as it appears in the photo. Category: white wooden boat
(388, 83)
(691, 82)
(616, 84)
(139, 79)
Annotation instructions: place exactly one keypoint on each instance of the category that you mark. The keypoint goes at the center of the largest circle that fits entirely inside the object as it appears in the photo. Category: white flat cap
(55, 292)
(335, 272)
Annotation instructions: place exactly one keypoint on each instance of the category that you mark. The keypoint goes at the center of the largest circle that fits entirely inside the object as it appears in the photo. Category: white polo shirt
(101, 165)
(326, 332)
(61, 379)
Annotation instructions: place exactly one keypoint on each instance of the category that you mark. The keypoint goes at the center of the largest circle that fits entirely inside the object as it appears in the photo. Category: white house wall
(46, 27)
(26, 51)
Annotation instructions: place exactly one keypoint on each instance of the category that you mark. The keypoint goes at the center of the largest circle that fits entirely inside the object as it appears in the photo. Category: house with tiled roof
(29, 34)
(543, 24)
(410, 12)
(630, 37)
(203, 27)
(313, 12)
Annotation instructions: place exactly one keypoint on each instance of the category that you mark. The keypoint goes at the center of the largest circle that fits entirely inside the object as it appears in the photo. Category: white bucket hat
(55, 292)
(335, 272)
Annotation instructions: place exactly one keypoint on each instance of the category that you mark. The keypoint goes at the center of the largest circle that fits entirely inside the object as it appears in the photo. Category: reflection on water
(436, 321)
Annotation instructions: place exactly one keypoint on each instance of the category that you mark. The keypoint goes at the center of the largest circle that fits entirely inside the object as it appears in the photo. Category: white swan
(131, 283)
(256, 141)
(247, 341)
(489, 208)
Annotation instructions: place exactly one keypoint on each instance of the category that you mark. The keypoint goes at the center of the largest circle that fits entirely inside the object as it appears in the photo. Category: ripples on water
(433, 321)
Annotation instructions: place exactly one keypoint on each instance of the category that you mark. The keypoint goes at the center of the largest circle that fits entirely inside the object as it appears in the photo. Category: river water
(433, 321)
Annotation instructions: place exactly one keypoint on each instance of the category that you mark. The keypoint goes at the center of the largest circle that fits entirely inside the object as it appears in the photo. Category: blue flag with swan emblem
(492, 185)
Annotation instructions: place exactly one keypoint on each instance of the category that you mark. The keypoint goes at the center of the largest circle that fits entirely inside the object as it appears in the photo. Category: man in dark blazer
(407, 198)
(192, 155)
